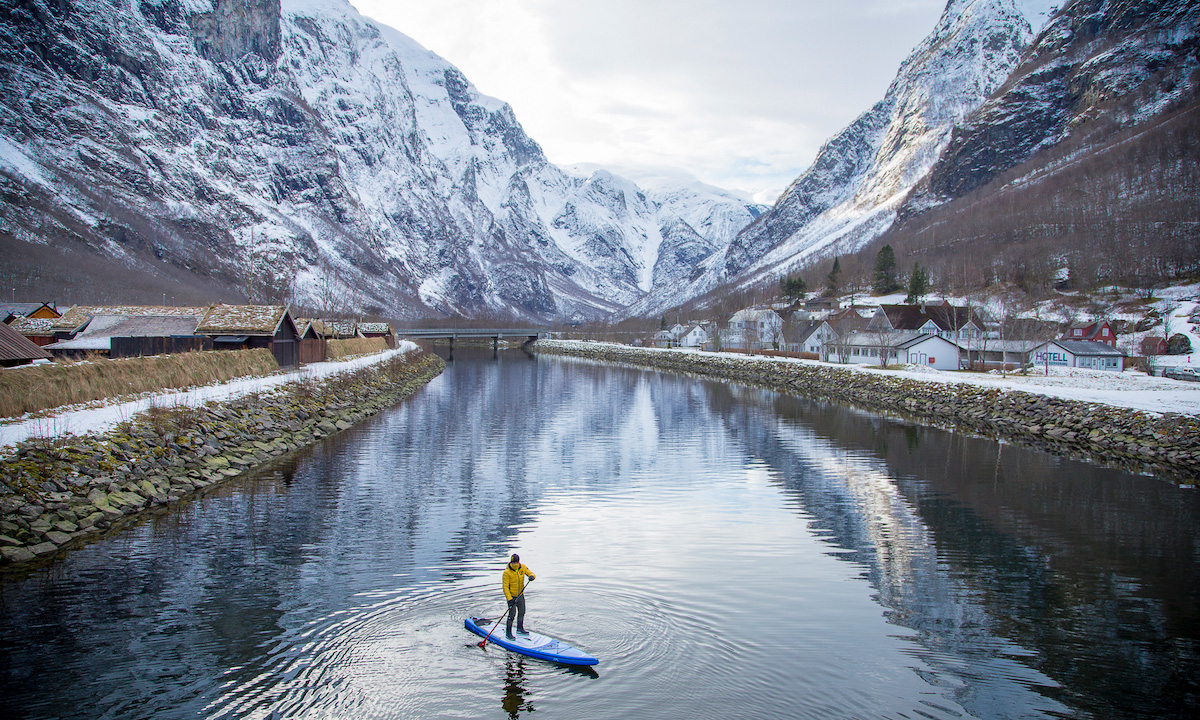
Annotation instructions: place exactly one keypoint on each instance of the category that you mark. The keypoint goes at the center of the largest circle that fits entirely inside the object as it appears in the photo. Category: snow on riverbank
(80, 421)
(1129, 389)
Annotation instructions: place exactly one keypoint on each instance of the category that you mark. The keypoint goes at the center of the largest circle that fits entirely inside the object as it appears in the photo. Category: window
(1078, 332)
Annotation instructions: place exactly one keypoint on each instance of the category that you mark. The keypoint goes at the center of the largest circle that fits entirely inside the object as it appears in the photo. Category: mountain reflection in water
(725, 551)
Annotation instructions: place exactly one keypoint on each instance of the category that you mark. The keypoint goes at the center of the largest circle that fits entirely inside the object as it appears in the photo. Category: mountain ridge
(232, 138)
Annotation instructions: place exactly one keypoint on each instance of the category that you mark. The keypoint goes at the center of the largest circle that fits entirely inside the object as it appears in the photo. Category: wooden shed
(378, 330)
(16, 349)
(254, 326)
(313, 346)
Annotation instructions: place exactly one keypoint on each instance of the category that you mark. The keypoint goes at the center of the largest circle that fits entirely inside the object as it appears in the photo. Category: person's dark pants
(520, 613)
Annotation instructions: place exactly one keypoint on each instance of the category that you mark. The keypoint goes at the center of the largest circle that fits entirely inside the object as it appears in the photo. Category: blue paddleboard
(532, 644)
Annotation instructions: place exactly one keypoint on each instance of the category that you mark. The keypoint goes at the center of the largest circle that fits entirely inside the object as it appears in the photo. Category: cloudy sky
(737, 94)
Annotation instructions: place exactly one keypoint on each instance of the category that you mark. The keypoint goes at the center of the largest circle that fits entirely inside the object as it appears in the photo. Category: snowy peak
(299, 147)
(851, 191)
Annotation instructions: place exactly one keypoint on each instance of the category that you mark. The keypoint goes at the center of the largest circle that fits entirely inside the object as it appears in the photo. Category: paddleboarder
(514, 592)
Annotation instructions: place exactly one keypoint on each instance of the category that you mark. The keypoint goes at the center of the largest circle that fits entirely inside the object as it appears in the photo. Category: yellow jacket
(514, 579)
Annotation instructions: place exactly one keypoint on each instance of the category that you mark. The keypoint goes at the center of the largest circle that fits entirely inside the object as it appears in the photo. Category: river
(726, 552)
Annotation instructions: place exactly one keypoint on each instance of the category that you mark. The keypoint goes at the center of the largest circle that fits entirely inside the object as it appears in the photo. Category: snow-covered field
(1129, 389)
(81, 421)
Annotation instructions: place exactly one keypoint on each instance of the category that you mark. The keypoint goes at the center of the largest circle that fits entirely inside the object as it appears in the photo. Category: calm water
(726, 552)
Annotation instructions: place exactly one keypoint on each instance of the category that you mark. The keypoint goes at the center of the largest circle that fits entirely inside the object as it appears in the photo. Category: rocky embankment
(1165, 445)
(59, 493)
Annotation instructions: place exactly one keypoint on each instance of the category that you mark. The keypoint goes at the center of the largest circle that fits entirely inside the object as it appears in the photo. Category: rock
(65, 526)
(8, 541)
(44, 548)
(58, 538)
(16, 554)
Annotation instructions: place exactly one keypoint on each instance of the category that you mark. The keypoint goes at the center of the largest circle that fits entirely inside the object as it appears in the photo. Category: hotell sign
(1048, 357)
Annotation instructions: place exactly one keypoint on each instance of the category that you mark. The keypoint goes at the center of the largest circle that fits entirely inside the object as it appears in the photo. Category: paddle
(510, 609)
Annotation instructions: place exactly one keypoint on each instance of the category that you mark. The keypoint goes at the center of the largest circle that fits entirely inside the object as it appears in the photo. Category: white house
(933, 351)
(813, 337)
(696, 337)
(868, 348)
(754, 328)
(1077, 353)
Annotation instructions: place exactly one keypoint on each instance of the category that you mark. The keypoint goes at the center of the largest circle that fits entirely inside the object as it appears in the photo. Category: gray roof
(926, 336)
(141, 326)
(806, 331)
(102, 329)
(1087, 347)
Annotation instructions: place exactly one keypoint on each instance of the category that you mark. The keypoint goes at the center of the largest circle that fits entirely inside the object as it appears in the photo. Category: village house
(1077, 353)
(1152, 345)
(253, 326)
(695, 337)
(754, 328)
(663, 339)
(16, 349)
(813, 338)
(945, 320)
(1097, 330)
(870, 348)
(993, 354)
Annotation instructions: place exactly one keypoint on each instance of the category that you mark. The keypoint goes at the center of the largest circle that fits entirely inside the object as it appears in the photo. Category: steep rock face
(865, 170)
(218, 139)
(851, 192)
(1126, 60)
(232, 29)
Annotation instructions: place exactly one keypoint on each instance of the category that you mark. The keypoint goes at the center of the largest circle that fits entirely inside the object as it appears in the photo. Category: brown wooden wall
(144, 346)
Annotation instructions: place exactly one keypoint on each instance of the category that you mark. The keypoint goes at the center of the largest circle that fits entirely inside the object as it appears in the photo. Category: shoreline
(58, 494)
(1166, 446)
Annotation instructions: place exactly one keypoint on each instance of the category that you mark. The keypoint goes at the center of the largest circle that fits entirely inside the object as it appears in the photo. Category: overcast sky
(739, 94)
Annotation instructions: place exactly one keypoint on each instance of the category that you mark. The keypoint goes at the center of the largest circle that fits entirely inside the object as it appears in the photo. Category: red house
(1097, 330)
(1151, 345)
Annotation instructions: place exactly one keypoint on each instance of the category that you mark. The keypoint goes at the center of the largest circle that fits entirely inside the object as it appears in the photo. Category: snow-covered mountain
(226, 139)
(851, 192)
(1125, 61)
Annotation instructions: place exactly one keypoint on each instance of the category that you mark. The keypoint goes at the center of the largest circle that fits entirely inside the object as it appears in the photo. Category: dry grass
(342, 349)
(40, 387)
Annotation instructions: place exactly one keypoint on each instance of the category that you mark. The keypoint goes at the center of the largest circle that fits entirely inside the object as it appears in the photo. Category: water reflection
(724, 550)
(515, 699)
(1079, 581)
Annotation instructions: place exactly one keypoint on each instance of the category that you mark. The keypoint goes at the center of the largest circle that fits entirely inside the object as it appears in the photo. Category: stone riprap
(1166, 445)
(59, 493)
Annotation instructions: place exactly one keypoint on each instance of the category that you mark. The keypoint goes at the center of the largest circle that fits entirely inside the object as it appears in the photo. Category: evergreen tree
(918, 284)
(885, 271)
(793, 288)
(834, 278)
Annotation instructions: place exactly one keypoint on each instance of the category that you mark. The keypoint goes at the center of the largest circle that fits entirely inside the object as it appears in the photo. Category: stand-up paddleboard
(532, 644)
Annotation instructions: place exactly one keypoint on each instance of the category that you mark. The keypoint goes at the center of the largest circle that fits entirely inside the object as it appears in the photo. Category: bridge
(526, 335)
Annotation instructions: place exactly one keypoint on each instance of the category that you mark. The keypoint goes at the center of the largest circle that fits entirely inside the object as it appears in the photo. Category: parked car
(1183, 373)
